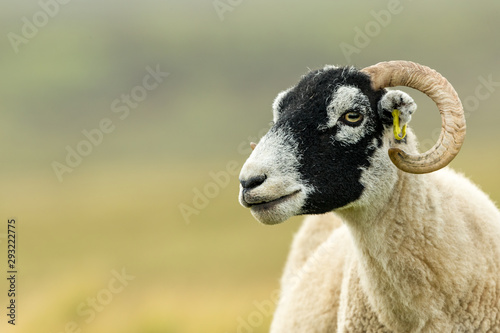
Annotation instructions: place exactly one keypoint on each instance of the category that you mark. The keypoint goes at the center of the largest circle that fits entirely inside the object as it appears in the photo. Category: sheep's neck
(393, 242)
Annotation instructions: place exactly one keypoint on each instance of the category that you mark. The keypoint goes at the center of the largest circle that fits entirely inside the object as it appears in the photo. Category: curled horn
(431, 83)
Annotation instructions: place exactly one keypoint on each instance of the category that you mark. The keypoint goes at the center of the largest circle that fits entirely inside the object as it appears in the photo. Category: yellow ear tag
(399, 133)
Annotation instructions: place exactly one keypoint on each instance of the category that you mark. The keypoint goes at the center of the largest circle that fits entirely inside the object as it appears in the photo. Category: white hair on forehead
(329, 67)
(346, 71)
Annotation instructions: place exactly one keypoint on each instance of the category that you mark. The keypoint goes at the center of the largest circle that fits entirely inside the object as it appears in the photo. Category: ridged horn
(434, 85)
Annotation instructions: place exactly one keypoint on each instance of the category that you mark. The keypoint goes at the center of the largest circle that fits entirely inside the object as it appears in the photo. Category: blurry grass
(198, 277)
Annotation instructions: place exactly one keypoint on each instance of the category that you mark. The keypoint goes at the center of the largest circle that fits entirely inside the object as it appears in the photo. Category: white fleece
(416, 253)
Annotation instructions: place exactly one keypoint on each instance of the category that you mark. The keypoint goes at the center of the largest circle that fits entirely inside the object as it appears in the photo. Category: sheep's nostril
(253, 182)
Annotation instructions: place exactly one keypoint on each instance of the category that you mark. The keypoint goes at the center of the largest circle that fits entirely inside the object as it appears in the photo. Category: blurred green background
(119, 209)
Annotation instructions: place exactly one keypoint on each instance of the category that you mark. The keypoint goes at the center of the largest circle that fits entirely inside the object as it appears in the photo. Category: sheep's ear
(278, 104)
(396, 100)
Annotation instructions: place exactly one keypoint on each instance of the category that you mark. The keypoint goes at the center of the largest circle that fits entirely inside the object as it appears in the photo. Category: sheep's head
(326, 130)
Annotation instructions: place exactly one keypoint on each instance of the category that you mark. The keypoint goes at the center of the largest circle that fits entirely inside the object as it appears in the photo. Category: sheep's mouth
(270, 204)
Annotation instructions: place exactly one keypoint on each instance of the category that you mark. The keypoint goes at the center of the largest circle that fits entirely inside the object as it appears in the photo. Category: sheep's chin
(279, 210)
(269, 217)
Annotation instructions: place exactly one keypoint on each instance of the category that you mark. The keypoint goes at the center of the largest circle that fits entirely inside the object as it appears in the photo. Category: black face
(333, 152)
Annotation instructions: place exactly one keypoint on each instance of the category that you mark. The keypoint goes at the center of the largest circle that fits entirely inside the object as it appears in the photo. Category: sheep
(395, 241)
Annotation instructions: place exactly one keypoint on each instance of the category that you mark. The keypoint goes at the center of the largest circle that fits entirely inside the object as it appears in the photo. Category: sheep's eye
(352, 118)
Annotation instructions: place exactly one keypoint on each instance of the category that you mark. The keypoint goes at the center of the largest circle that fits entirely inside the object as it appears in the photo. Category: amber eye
(352, 118)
